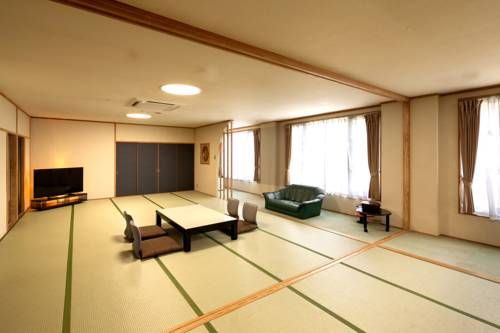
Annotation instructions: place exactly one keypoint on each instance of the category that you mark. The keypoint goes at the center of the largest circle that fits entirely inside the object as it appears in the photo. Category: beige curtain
(468, 134)
(288, 152)
(373, 144)
(256, 143)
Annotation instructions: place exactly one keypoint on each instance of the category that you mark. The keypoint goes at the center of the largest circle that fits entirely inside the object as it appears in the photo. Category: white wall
(12, 121)
(65, 143)
(206, 175)
(91, 145)
(157, 134)
(7, 115)
(392, 160)
(425, 164)
(23, 124)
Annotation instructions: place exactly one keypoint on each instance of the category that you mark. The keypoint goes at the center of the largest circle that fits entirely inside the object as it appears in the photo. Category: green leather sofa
(296, 200)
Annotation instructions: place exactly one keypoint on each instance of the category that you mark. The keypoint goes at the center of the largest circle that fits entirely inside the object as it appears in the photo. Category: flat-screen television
(53, 182)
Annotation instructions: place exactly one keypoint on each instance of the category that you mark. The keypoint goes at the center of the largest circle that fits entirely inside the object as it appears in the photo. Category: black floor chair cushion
(147, 248)
(249, 221)
(147, 232)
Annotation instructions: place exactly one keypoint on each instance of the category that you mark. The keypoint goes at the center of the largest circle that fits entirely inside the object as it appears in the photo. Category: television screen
(52, 182)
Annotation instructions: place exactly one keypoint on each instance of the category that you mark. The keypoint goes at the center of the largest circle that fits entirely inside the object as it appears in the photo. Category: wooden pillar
(406, 165)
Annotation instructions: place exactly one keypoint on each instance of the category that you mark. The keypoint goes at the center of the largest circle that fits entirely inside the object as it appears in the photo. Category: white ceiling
(61, 62)
(410, 47)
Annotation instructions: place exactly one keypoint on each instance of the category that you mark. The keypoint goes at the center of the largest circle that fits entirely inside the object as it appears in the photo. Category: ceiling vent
(153, 105)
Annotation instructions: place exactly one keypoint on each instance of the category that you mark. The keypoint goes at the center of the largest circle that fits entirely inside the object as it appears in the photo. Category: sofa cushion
(286, 204)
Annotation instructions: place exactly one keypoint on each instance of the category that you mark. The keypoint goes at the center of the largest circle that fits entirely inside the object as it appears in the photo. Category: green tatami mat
(280, 258)
(112, 291)
(283, 311)
(376, 306)
(468, 255)
(327, 243)
(472, 295)
(168, 200)
(141, 209)
(33, 272)
(213, 276)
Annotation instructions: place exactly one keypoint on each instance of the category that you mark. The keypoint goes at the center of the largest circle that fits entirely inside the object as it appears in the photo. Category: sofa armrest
(310, 202)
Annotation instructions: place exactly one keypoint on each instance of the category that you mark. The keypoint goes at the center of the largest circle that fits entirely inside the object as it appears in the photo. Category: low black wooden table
(363, 217)
(194, 219)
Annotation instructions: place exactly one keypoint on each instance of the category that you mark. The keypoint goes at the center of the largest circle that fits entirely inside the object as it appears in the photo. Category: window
(486, 181)
(331, 154)
(243, 156)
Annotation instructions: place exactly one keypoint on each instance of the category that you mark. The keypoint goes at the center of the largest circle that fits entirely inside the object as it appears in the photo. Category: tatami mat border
(174, 281)
(66, 323)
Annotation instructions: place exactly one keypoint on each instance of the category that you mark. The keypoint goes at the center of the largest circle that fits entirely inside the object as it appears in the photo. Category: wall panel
(7, 115)
(66, 143)
(156, 134)
(3, 183)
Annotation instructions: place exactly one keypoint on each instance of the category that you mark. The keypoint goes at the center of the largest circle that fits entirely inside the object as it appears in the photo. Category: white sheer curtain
(331, 154)
(243, 156)
(486, 183)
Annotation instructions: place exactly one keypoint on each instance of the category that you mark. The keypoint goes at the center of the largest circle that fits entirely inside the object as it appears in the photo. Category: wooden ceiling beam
(134, 15)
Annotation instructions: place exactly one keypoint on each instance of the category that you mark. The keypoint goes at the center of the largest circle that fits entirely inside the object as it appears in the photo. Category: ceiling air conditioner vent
(153, 105)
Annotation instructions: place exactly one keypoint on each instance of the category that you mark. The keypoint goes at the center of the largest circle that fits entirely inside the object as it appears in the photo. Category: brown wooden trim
(330, 115)
(258, 125)
(480, 96)
(406, 166)
(213, 124)
(114, 161)
(442, 264)
(159, 143)
(7, 131)
(464, 91)
(107, 122)
(137, 16)
(223, 310)
(14, 103)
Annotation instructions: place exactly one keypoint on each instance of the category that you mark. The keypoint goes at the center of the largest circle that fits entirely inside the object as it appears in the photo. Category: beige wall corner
(392, 160)
(424, 168)
(205, 175)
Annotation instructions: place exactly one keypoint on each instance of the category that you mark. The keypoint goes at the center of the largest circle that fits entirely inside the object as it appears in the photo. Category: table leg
(158, 219)
(186, 241)
(387, 223)
(365, 223)
(234, 230)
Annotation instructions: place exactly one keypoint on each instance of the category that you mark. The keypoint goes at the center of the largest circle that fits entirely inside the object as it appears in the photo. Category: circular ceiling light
(138, 115)
(180, 89)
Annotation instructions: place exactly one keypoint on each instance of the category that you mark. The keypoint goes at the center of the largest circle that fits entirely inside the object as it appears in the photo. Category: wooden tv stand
(58, 201)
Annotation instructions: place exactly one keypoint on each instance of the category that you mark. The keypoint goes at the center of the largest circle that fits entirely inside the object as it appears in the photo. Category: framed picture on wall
(204, 153)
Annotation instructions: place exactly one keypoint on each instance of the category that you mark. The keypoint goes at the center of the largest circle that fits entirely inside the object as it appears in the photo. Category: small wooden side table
(363, 217)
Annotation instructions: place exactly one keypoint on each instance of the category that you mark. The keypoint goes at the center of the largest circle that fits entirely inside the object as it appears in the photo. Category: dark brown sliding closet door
(168, 167)
(185, 167)
(148, 168)
(126, 169)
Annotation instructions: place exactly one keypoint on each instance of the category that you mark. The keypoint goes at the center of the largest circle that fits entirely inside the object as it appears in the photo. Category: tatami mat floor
(69, 270)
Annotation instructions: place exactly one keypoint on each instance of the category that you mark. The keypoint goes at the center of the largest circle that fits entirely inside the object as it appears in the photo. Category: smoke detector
(156, 106)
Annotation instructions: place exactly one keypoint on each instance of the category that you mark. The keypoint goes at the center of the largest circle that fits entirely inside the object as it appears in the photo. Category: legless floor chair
(249, 221)
(147, 232)
(147, 248)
